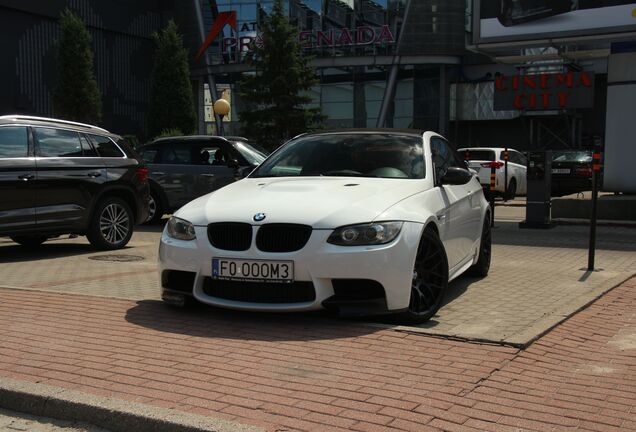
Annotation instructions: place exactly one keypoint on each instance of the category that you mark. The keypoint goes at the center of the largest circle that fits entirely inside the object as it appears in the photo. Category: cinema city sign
(342, 37)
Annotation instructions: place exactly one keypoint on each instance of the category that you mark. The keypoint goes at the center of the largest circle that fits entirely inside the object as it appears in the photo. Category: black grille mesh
(230, 235)
(260, 292)
(282, 237)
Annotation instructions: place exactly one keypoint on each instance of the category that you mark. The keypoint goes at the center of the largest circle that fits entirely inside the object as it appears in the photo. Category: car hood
(322, 202)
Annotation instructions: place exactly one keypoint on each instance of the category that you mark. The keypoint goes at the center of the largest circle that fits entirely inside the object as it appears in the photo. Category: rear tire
(482, 266)
(430, 280)
(30, 242)
(112, 224)
(155, 208)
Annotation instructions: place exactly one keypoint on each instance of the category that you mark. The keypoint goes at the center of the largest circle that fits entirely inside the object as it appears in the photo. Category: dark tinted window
(572, 156)
(149, 154)
(58, 143)
(13, 142)
(444, 157)
(485, 155)
(348, 155)
(105, 147)
(88, 149)
(175, 154)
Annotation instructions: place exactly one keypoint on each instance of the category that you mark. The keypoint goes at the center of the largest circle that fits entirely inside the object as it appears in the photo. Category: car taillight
(585, 170)
(142, 174)
(496, 164)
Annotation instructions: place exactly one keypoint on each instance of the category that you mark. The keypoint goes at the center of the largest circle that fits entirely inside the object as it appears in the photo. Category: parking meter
(539, 176)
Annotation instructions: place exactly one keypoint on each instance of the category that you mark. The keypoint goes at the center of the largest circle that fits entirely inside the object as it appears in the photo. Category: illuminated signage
(544, 91)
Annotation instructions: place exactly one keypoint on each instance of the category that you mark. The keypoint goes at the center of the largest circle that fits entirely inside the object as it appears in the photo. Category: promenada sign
(245, 38)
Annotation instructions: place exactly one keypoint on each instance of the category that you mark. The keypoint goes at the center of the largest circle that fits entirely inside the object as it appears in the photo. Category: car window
(58, 143)
(176, 154)
(87, 148)
(149, 154)
(480, 155)
(444, 157)
(13, 142)
(106, 147)
(348, 155)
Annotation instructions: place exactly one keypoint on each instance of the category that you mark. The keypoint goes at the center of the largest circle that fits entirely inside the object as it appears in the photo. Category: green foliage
(132, 140)
(275, 96)
(171, 101)
(76, 96)
(170, 133)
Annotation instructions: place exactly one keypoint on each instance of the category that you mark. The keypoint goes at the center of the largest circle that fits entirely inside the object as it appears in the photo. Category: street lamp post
(222, 108)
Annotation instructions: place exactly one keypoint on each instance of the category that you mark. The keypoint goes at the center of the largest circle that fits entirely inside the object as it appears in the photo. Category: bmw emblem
(259, 217)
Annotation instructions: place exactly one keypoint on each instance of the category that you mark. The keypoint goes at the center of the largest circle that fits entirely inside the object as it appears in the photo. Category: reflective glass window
(13, 142)
(58, 143)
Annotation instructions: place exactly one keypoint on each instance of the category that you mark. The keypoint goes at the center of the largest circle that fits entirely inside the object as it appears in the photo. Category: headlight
(180, 229)
(365, 234)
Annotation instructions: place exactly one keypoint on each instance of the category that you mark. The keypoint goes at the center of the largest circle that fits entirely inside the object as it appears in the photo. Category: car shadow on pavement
(11, 252)
(209, 322)
(565, 236)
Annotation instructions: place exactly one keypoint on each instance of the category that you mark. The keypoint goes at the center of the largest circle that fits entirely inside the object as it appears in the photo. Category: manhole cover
(117, 258)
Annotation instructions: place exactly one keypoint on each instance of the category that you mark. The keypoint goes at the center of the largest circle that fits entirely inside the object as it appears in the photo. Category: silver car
(187, 167)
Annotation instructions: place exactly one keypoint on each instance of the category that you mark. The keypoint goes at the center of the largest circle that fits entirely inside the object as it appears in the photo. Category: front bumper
(318, 262)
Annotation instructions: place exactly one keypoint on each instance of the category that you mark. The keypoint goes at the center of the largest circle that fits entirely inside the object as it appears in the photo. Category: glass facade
(338, 34)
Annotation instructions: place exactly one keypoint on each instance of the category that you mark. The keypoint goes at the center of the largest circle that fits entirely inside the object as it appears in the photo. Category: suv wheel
(112, 224)
(29, 241)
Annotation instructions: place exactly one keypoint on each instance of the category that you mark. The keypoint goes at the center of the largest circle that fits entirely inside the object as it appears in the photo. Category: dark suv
(59, 177)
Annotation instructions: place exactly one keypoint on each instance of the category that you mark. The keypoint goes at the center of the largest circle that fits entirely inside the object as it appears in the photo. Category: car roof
(486, 149)
(45, 121)
(416, 132)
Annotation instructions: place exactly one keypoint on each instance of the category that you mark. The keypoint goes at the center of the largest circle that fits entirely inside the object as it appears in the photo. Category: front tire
(430, 280)
(112, 224)
(482, 266)
(30, 242)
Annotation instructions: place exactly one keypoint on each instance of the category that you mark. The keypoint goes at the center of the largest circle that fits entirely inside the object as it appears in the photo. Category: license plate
(252, 270)
(560, 171)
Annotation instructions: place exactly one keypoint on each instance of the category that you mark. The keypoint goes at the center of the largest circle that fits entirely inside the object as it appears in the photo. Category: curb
(112, 414)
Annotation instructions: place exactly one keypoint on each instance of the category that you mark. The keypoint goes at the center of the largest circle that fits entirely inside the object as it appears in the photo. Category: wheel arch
(156, 187)
(121, 192)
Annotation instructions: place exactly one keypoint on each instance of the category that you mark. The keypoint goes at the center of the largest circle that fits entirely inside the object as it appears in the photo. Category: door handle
(94, 174)
(159, 173)
(26, 177)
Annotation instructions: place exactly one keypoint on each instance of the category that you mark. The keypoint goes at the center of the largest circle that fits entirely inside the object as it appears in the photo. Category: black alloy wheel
(430, 280)
(29, 241)
(112, 224)
(482, 266)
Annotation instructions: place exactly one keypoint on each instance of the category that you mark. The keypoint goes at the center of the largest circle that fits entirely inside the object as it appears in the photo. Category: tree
(171, 101)
(275, 95)
(76, 96)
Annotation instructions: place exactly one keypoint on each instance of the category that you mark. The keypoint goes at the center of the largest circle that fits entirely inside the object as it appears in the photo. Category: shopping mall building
(526, 74)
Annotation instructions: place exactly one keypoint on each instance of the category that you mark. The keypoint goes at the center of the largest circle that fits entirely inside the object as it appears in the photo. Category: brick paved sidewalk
(316, 373)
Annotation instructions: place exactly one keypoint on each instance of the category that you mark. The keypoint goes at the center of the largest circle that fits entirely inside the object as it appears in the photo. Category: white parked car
(480, 159)
(362, 222)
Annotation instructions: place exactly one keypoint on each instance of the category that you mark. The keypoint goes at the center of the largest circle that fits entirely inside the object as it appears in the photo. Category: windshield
(349, 155)
(251, 155)
(572, 156)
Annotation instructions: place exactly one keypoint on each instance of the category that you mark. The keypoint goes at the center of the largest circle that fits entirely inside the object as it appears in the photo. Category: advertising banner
(526, 20)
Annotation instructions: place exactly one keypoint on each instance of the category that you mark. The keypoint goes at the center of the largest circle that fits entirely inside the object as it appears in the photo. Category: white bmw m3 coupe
(359, 221)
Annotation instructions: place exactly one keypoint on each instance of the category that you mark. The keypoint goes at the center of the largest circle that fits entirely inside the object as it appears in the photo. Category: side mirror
(233, 163)
(456, 176)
